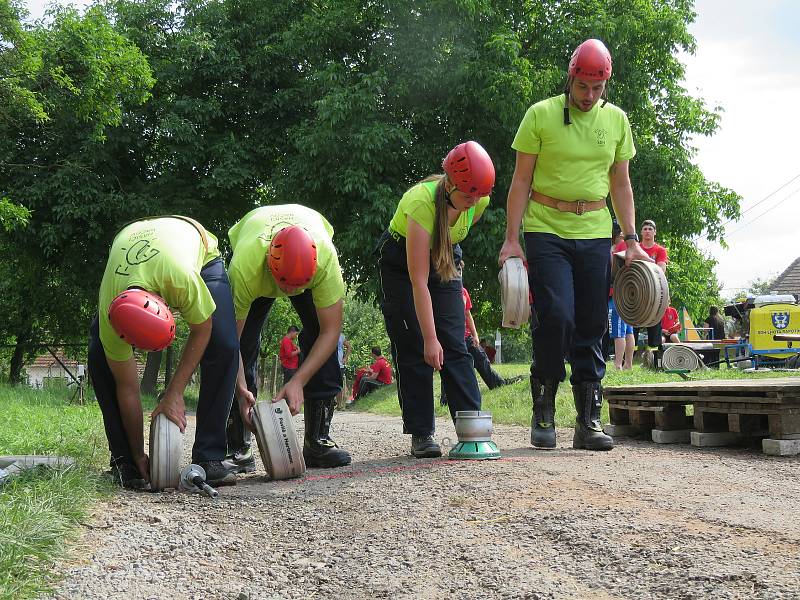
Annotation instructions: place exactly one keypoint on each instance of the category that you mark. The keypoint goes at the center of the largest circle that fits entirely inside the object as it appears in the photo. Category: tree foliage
(89, 77)
(210, 107)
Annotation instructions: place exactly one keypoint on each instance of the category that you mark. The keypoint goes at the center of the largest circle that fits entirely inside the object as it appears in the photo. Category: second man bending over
(287, 250)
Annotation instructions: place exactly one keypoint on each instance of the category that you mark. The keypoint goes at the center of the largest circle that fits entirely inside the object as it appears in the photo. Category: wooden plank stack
(724, 412)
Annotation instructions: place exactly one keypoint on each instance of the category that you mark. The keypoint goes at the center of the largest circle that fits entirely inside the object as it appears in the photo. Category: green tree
(340, 105)
(89, 78)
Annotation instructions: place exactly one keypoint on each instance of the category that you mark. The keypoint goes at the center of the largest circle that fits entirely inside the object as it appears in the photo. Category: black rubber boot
(543, 426)
(319, 451)
(588, 430)
(328, 408)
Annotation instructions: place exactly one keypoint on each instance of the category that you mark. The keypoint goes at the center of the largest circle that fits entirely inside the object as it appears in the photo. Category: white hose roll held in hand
(514, 293)
(641, 293)
(281, 452)
(166, 451)
(678, 357)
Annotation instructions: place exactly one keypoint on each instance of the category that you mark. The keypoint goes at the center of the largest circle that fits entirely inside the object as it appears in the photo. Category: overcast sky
(746, 62)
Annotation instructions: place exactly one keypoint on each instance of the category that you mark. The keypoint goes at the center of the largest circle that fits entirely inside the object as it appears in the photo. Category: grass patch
(41, 510)
(512, 404)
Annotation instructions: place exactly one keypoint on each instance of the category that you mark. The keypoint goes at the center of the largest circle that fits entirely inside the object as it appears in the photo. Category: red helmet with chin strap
(292, 258)
(142, 319)
(470, 169)
(591, 60)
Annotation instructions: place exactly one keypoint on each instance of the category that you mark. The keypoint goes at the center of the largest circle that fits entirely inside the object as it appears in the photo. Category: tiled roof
(47, 361)
(788, 282)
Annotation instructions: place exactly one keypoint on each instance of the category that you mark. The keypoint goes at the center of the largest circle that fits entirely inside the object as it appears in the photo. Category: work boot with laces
(424, 446)
(217, 474)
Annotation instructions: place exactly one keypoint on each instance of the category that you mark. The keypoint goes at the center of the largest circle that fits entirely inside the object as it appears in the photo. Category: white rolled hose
(514, 293)
(166, 451)
(641, 293)
(680, 358)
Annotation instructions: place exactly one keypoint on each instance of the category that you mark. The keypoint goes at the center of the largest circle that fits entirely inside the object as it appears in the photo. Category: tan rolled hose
(281, 452)
(680, 358)
(514, 293)
(641, 293)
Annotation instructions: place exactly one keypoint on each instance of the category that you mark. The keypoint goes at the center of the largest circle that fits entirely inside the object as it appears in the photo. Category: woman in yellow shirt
(421, 290)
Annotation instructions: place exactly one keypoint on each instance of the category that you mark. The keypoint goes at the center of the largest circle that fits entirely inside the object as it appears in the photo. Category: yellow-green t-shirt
(250, 239)
(419, 204)
(163, 256)
(573, 163)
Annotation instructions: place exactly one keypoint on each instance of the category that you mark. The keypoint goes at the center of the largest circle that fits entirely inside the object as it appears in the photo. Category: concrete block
(716, 438)
(621, 430)
(671, 436)
(780, 447)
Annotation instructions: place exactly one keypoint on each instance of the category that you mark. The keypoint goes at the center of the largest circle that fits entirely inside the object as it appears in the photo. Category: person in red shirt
(289, 354)
(670, 326)
(659, 255)
(370, 378)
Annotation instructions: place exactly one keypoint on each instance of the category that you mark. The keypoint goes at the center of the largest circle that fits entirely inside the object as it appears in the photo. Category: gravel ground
(642, 521)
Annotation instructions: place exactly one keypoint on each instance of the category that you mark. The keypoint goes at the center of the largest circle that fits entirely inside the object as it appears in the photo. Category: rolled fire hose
(514, 293)
(281, 452)
(680, 358)
(641, 292)
(166, 450)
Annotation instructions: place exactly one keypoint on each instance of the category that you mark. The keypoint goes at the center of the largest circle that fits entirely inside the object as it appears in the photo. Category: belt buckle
(580, 207)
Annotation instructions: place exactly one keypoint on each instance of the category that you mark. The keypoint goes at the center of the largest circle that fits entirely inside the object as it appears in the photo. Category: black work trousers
(218, 368)
(490, 377)
(326, 382)
(414, 375)
(569, 280)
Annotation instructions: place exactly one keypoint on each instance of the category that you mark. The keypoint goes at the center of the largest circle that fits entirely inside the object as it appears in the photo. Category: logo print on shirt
(271, 229)
(140, 252)
(601, 136)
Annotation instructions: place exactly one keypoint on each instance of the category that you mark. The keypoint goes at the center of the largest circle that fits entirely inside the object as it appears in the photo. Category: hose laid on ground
(514, 293)
(680, 358)
(641, 293)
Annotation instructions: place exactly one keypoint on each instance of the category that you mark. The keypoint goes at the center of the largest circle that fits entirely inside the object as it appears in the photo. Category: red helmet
(292, 257)
(470, 169)
(591, 60)
(142, 319)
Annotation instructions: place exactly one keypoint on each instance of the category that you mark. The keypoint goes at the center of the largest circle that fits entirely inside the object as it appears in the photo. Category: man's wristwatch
(631, 236)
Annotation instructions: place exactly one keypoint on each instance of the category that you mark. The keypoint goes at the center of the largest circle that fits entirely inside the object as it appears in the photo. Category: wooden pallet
(649, 414)
(725, 411)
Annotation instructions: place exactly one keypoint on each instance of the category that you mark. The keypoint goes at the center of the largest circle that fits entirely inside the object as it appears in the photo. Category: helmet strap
(566, 102)
(447, 197)
(447, 192)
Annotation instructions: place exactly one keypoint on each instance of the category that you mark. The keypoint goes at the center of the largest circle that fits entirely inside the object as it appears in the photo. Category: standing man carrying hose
(572, 150)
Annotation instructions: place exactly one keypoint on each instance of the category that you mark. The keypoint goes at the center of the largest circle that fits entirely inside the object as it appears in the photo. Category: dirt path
(642, 521)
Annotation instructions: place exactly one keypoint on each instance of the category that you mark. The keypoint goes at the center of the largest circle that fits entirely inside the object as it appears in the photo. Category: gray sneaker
(217, 474)
(241, 462)
(424, 446)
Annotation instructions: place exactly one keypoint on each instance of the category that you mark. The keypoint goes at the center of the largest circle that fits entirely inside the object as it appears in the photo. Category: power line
(764, 213)
(765, 198)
